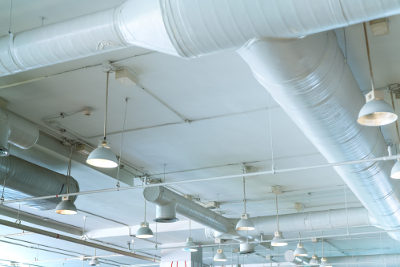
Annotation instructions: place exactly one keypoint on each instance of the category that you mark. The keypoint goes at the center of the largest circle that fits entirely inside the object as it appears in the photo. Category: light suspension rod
(214, 178)
(106, 109)
(371, 73)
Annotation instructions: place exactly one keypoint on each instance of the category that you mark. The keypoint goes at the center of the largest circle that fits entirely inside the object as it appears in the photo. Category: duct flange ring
(166, 213)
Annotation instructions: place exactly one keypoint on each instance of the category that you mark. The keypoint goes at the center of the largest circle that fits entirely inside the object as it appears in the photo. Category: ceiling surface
(186, 120)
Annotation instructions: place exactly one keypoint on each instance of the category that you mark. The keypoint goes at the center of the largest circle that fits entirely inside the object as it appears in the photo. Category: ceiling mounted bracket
(107, 66)
(277, 189)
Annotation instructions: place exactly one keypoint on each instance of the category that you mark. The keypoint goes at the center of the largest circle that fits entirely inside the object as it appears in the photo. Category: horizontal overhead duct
(307, 222)
(225, 227)
(314, 221)
(24, 179)
(310, 80)
(187, 28)
(162, 196)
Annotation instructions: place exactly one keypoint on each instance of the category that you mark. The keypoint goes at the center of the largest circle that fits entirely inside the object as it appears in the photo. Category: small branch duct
(24, 179)
(309, 78)
(188, 28)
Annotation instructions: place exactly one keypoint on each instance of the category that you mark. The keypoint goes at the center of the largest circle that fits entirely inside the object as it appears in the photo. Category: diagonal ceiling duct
(187, 28)
(24, 179)
(310, 80)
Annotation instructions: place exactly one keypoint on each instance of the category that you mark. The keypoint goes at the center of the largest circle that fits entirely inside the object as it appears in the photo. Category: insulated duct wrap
(198, 27)
(24, 179)
(188, 28)
(314, 221)
(312, 83)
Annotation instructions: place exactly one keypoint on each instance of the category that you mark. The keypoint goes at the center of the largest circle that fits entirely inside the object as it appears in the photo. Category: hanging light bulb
(66, 205)
(278, 240)
(300, 251)
(245, 223)
(94, 262)
(144, 231)
(220, 256)
(324, 262)
(375, 112)
(190, 246)
(102, 156)
(314, 260)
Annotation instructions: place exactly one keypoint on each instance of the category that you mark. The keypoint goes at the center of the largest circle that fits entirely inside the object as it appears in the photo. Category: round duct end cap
(166, 220)
(246, 248)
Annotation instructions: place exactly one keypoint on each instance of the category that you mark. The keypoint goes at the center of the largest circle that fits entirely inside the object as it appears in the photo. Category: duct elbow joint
(165, 206)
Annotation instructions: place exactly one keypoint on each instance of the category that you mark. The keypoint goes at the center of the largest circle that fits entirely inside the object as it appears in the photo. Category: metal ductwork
(23, 179)
(162, 196)
(188, 28)
(310, 80)
(16, 131)
(315, 221)
(225, 228)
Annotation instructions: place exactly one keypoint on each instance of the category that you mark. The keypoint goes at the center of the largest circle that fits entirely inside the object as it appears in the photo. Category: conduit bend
(312, 83)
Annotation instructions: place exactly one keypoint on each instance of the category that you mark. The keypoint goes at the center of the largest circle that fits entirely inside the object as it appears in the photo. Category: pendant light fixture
(324, 261)
(278, 240)
(94, 261)
(375, 112)
(245, 223)
(144, 231)
(190, 246)
(220, 256)
(300, 251)
(102, 156)
(314, 259)
(67, 206)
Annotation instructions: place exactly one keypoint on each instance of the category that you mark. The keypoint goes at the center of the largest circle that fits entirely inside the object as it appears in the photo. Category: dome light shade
(245, 223)
(300, 251)
(395, 172)
(376, 112)
(220, 256)
(190, 246)
(278, 241)
(102, 157)
(144, 231)
(94, 262)
(324, 262)
(314, 260)
(66, 207)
